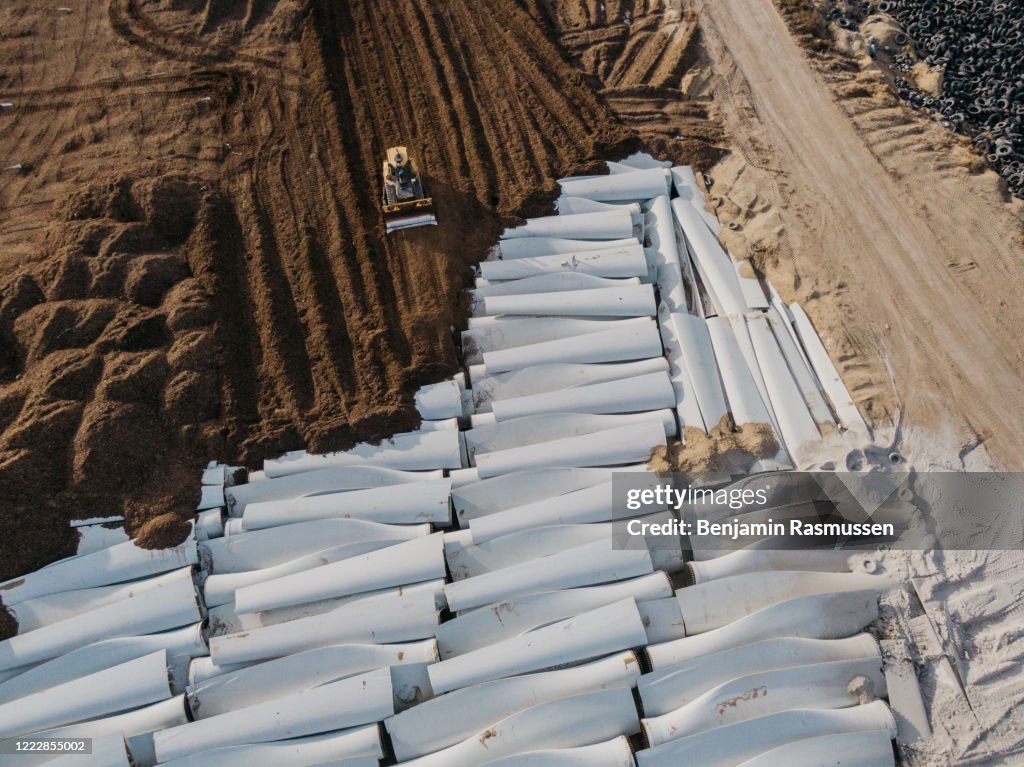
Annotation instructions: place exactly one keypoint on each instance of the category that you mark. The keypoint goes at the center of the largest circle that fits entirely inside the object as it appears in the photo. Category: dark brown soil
(648, 62)
(8, 625)
(192, 261)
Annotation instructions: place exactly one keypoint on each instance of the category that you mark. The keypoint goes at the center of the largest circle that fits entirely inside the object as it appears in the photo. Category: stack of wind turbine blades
(115, 564)
(319, 482)
(478, 499)
(623, 261)
(543, 379)
(619, 187)
(170, 604)
(675, 686)
(492, 334)
(467, 584)
(604, 225)
(742, 741)
(540, 247)
(458, 715)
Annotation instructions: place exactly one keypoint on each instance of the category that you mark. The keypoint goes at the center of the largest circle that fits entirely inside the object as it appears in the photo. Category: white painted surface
(300, 671)
(455, 716)
(512, 617)
(752, 561)
(439, 401)
(822, 616)
(317, 482)
(346, 703)
(638, 185)
(611, 225)
(420, 559)
(735, 743)
(698, 357)
(541, 284)
(541, 379)
(675, 686)
(506, 550)
(511, 332)
(585, 565)
(184, 642)
(354, 747)
(404, 618)
(170, 606)
(128, 685)
(610, 753)
(620, 344)
(116, 564)
(713, 604)
(623, 261)
(412, 503)
(744, 399)
(868, 748)
(651, 391)
(828, 376)
(566, 723)
(43, 611)
(611, 447)
(587, 505)
(625, 301)
(832, 685)
(797, 426)
(608, 629)
(530, 247)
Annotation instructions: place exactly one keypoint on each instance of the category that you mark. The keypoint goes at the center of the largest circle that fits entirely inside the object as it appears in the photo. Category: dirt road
(929, 270)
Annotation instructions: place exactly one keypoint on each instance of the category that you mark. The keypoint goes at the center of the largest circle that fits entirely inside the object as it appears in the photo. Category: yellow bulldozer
(405, 203)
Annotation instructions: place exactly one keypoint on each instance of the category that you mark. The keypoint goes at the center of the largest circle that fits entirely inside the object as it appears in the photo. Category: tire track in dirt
(649, 61)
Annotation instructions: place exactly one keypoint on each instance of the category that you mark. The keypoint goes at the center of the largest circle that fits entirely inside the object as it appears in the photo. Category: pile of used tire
(980, 45)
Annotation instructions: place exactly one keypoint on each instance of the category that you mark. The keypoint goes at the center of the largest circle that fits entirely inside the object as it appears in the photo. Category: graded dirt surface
(193, 264)
(646, 59)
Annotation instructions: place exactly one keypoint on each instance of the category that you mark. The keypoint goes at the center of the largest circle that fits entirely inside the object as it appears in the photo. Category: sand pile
(724, 450)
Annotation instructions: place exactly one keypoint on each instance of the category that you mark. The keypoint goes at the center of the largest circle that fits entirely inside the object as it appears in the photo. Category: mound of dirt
(722, 451)
(102, 337)
(650, 65)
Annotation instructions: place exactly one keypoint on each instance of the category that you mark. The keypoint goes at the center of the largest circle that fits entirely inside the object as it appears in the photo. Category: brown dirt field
(192, 259)
(646, 58)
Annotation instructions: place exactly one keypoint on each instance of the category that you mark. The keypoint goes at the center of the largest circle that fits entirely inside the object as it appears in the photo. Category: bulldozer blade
(408, 222)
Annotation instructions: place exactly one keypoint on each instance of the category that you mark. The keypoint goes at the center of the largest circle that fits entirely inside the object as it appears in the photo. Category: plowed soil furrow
(449, 91)
(641, 53)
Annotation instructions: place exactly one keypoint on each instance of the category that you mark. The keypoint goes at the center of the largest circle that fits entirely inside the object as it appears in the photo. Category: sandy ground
(903, 255)
(906, 254)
